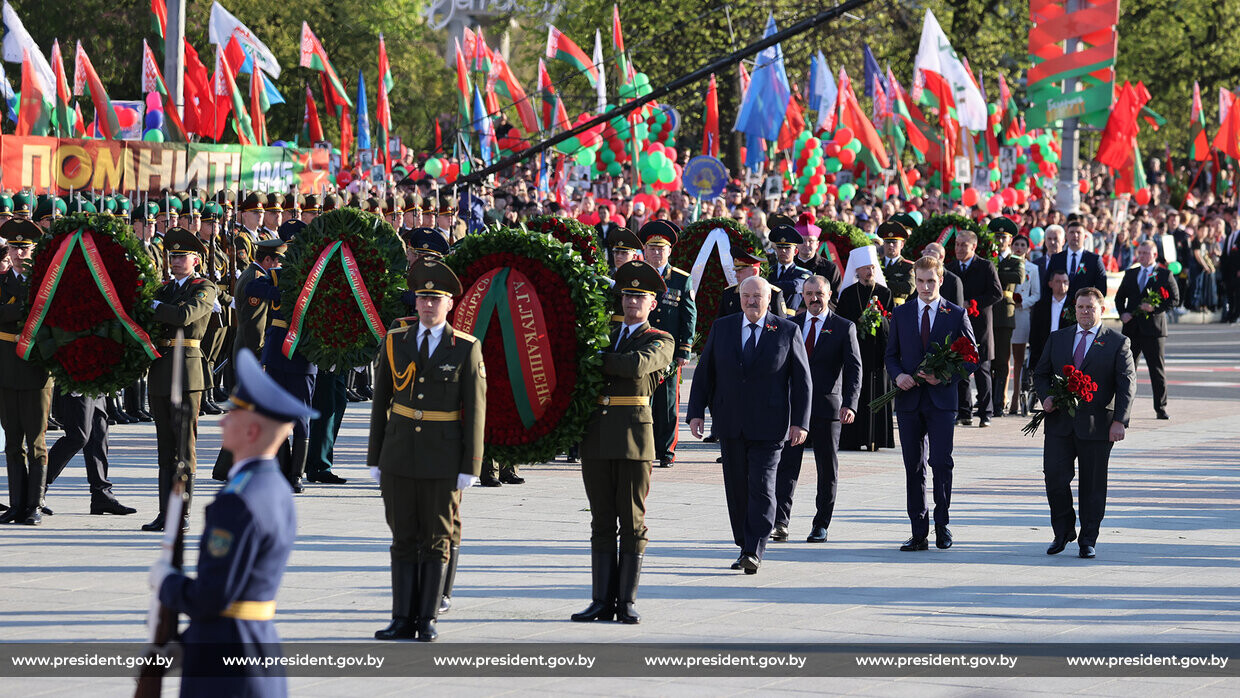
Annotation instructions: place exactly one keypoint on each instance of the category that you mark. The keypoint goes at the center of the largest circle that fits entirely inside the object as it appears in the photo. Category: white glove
(465, 481)
(159, 572)
(215, 308)
(374, 474)
(154, 305)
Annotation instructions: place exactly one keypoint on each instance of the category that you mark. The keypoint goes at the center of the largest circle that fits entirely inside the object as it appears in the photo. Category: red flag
(942, 91)
(794, 121)
(547, 92)
(1120, 135)
(258, 99)
(199, 100)
(438, 137)
(32, 117)
(1227, 140)
(84, 71)
(314, 127)
(852, 116)
(710, 135)
(1201, 141)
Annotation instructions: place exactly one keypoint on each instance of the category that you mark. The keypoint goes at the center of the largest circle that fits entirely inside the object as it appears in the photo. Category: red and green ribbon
(51, 283)
(356, 284)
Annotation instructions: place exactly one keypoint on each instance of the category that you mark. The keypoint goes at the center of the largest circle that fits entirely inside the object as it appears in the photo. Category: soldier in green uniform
(310, 208)
(426, 429)
(896, 269)
(675, 314)
(1011, 270)
(215, 268)
(619, 446)
(185, 302)
(252, 218)
(21, 205)
(6, 208)
(25, 389)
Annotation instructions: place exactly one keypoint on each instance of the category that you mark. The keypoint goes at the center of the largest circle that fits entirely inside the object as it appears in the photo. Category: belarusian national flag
(313, 56)
(159, 21)
(84, 76)
(258, 107)
(617, 44)
(153, 81)
(873, 154)
(61, 113)
(199, 97)
(226, 87)
(1200, 148)
(383, 109)
(710, 134)
(34, 115)
(546, 92)
(79, 125)
(508, 85)
(312, 128)
(462, 84)
(559, 46)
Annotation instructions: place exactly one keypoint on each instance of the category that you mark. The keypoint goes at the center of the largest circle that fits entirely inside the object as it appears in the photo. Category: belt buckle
(606, 400)
(417, 414)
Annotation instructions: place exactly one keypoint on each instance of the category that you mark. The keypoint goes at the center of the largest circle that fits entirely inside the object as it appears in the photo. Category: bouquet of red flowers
(1155, 296)
(1068, 392)
(972, 310)
(872, 317)
(943, 361)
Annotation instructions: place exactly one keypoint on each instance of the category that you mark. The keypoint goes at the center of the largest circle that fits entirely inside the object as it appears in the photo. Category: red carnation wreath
(709, 289)
(582, 237)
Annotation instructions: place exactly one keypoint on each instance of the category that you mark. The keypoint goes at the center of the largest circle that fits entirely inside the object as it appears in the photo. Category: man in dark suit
(784, 272)
(981, 287)
(952, 289)
(1145, 323)
(1088, 436)
(925, 410)
(746, 265)
(1230, 269)
(835, 370)
(754, 376)
(1084, 268)
(1052, 244)
(1049, 314)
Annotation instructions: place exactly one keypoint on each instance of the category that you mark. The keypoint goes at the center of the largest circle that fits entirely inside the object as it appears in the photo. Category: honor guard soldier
(675, 314)
(785, 274)
(21, 205)
(185, 302)
(625, 247)
(310, 208)
(6, 208)
(290, 206)
(394, 210)
(331, 202)
(445, 218)
(273, 210)
(747, 265)
(619, 445)
(1011, 270)
(248, 534)
(47, 210)
(251, 310)
(897, 270)
(426, 429)
(25, 389)
(252, 217)
(413, 212)
(215, 268)
(167, 211)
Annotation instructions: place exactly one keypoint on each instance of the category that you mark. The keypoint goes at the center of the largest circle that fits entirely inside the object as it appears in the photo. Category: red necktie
(925, 327)
(813, 333)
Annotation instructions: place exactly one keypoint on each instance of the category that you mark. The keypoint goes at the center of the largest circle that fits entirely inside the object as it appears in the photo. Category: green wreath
(573, 232)
(713, 282)
(574, 302)
(942, 229)
(80, 340)
(335, 331)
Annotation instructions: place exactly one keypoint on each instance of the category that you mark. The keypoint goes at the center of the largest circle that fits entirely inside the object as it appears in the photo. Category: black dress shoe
(210, 407)
(710, 439)
(298, 488)
(4, 507)
(985, 422)
(512, 480)
(491, 482)
(47, 511)
(353, 396)
(1087, 551)
(1162, 414)
(750, 563)
(400, 629)
(997, 414)
(665, 463)
(597, 610)
(737, 565)
(9, 516)
(915, 543)
(326, 477)
(156, 525)
(964, 422)
(780, 534)
(144, 416)
(1060, 543)
(111, 506)
(818, 535)
(942, 537)
(32, 518)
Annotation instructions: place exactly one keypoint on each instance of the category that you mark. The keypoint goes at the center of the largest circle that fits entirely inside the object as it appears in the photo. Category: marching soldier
(785, 274)
(248, 535)
(185, 302)
(25, 389)
(619, 446)
(1011, 270)
(897, 270)
(675, 314)
(426, 429)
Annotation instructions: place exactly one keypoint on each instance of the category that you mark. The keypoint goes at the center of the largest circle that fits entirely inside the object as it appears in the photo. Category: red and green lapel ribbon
(51, 283)
(357, 285)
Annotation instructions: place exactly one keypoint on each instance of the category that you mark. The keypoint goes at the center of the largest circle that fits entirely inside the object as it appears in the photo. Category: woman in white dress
(1025, 296)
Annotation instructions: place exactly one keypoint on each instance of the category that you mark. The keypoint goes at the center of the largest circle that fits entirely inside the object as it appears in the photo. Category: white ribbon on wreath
(716, 240)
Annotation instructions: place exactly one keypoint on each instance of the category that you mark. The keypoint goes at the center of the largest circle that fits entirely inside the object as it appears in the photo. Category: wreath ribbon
(357, 286)
(719, 241)
(51, 283)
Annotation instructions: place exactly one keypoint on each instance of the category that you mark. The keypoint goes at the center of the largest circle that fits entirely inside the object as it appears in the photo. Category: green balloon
(154, 136)
(607, 156)
(833, 165)
(816, 200)
(847, 191)
(1175, 267)
(1025, 141)
(584, 157)
(994, 175)
(992, 108)
(434, 167)
(615, 169)
(466, 168)
(641, 79)
(803, 136)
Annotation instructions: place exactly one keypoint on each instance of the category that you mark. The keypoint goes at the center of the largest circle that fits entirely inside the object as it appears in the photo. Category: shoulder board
(461, 335)
(399, 330)
(198, 280)
(659, 333)
(238, 483)
(731, 287)
(678, 270)
(403, 323)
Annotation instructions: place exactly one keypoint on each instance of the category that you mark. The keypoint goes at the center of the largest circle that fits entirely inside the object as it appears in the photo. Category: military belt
(7, 337)
(279, 323)
(187, 343)
(426, 415)
(624, 400)
(250, 610)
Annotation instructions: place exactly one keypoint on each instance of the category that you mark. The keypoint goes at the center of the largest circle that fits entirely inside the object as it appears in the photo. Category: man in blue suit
(835, 370)
(1084, 268)
(755, 377)
(926, 409)
(247, 537)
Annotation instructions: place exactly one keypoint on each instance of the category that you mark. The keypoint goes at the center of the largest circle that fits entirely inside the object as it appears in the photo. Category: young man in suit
(926, 409)
(951, 289)
(1145, 323)
(835, 370)
(1085, 269)
(1087, 437)
(981, 286)
(754, 376)
(1052, 312)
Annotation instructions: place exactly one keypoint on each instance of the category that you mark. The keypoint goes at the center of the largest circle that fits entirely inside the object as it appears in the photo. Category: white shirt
(888, 261)
(1149, 275)
(236, 468)
(436, 334)
(745, 331)
(809, 321)
(934, 310)
(662, 270)
(1057, 312)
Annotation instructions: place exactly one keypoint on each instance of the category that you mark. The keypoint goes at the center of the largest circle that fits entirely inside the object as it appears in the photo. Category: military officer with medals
(897, 270)
(675, 314)
(785, 274)
(1011, 270)
(25, 389)
(426, 444)
(619, 446)
(248, 534)
(185, 302)
(251, 310)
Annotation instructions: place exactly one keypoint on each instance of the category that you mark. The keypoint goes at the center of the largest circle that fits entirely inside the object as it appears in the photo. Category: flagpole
(174, 54)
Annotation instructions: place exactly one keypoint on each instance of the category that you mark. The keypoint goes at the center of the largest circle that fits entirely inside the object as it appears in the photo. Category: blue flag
(10, 97)
(822, 91)
(873, 71)
(480, 127)
(363, 119)
(766, 103)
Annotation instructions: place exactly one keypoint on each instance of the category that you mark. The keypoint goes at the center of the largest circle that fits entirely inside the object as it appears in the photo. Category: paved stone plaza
(1168, 566)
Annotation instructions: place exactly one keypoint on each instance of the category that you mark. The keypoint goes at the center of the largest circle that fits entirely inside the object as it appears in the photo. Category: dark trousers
(419, 512)
(617, 492)
(300, 386)
(1153, 349)
(167, 443)
(85, 420)
(926, 440)
(330, 400)
(1000, 370)
(749, 483)
(982, 377)
(23, 416)
(665, 407)
(824, 437)
(1058, 458)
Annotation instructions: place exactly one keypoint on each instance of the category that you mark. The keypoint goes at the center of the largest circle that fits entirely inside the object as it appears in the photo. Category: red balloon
(671, 154)
(1021, 197)
(812, 143)
(1084, 184)
(833, 190)
(1018, 170)
(969, 197)
(828, 178)
(832, 149)
(847, 157)
(805, 197)
(994, 205)
(1142, 196)
(892, 190)
(814, 181)
(126, 117)
(843, 136)
(1009, 196)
